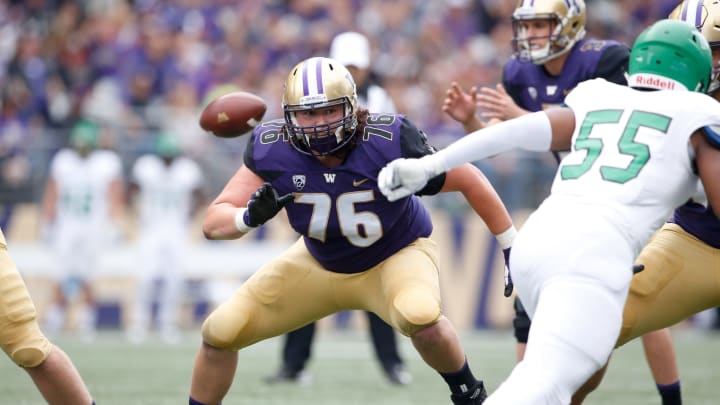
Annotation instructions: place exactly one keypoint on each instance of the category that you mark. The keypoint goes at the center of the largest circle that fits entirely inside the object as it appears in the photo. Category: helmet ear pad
(314, 84)
(670, 54)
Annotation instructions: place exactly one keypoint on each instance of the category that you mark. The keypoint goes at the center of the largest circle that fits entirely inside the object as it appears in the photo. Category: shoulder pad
(712, 135)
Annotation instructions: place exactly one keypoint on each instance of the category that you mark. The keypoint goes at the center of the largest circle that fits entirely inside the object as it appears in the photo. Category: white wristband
(240, 221)
(505, 239)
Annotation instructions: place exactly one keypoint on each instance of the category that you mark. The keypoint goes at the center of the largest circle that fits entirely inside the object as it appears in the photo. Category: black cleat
(287, 375)
(397, 374)
(475, 396)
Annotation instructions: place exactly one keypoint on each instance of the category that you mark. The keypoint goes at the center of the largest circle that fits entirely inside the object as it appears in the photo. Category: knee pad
(20, 336)
(521, 322)
(416, 309)
(24, 343)
(29, 357)
(226, 327)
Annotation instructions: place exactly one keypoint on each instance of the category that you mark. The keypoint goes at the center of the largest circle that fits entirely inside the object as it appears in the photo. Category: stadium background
(146, 67)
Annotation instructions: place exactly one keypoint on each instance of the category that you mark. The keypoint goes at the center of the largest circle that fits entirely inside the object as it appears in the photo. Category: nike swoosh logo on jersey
(357, 183)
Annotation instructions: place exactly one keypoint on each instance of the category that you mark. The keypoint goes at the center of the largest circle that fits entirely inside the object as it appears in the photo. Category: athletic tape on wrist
(240, 221)
(505, 239)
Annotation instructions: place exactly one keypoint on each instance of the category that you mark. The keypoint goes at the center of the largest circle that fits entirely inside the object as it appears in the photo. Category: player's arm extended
(481, 196)
(539, 131)
(219, 223)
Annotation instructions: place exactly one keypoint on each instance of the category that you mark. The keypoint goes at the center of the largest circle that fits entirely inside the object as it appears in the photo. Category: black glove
(637, 268)
(508, 279)
(264, 204)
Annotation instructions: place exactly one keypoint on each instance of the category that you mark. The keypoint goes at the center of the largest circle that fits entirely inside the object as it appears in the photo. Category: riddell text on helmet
(656, 82)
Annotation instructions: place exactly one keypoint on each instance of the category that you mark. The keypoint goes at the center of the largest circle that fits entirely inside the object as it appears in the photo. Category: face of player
(535, 33)
(322, 119)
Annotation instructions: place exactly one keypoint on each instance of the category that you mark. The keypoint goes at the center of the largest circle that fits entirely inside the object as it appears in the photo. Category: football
(233, 114)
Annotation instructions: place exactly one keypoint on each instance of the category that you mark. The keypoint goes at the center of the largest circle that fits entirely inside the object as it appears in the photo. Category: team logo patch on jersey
(299, 181)
(329, 178)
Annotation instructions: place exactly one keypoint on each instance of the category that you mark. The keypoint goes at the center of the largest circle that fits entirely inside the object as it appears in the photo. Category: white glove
(403, 177)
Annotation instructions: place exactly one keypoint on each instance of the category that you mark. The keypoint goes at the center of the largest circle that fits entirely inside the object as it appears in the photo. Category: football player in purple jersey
(551, 56)
(357, 251)
(352, 49)
(682, 261)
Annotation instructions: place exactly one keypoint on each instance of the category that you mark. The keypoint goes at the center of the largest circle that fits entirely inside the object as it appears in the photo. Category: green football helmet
(670, 55)
(85, 135)
(167, 145)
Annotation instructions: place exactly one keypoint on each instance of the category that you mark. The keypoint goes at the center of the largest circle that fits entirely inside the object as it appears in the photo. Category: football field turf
(344, 371)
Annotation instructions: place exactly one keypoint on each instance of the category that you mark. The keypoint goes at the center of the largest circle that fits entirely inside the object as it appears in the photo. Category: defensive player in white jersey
(681, 261)
(83, 206)
(635, 155)
(167, 191)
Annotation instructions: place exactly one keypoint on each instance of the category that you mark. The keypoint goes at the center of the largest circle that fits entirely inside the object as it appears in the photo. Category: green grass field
(344, 371)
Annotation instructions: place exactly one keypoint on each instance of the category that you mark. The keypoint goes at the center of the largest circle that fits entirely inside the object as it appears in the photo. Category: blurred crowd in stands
(145, 67)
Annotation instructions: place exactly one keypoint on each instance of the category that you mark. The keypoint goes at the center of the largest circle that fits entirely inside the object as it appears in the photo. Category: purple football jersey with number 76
(347, 224)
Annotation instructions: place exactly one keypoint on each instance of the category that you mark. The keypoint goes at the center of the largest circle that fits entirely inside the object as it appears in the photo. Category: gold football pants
(681, 278)
(294, 289)
(20, 336)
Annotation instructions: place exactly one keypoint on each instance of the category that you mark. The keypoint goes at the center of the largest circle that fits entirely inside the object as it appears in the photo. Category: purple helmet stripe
(692, 10)
(698, 13)
(318, 75)
(305, 78)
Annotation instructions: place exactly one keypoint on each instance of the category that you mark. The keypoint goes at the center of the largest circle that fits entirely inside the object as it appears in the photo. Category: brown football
(233, 114)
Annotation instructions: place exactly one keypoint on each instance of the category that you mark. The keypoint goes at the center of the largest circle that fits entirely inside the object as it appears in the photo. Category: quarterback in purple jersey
(535, 87)
(357, 251)
(551, 56)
